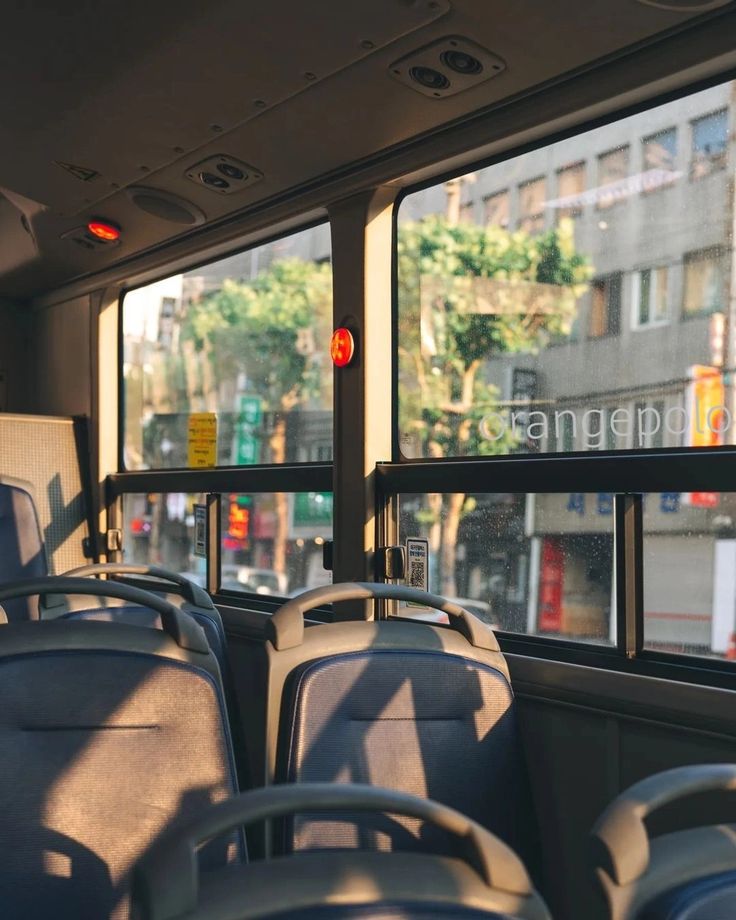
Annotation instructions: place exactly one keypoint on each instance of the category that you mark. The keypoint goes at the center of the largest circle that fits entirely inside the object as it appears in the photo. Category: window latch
(391, 563)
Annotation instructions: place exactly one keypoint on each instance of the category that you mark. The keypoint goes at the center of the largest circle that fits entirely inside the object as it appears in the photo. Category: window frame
(653, 290)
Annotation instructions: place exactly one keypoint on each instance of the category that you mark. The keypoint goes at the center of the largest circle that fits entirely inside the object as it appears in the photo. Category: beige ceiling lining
(316, 134)
(218, 63)
(622, 83)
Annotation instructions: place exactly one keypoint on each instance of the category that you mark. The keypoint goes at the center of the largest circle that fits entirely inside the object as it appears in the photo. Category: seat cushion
(436, 725)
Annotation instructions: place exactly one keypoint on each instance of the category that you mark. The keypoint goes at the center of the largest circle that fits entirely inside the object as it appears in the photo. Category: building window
(497, 209)
(605, 308)
(710, 138)
(531, 205)
(466, 215)
(649, 297)
(613, 168)
(660, 150)
(703, 289)
(570, 187)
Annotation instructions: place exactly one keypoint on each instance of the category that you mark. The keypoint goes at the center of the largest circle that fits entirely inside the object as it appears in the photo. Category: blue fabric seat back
(433, 724)
(109, 736)
(711, 898)
(22, 553)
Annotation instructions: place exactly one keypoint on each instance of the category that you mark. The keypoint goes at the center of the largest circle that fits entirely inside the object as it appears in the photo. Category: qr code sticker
(416, 573)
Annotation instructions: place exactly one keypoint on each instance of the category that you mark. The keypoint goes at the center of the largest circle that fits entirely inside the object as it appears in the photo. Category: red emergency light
(104, 230)
(342, 347)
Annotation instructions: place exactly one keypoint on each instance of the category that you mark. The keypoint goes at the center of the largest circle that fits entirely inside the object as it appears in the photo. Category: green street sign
(247, 448)
(312, 509)
(250, 410)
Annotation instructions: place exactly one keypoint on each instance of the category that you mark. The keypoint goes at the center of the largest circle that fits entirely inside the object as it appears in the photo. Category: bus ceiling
(161, 119)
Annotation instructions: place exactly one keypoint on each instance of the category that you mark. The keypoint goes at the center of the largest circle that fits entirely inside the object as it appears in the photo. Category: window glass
(272, 542)
(531, 206)
(570, 186)
(158, 529)
(704, 282)
(496, 208)
(649, 296)
(228, 364)
(690, 573)
(710, 140)
(481, 306)
(535, 564)
(660, 151)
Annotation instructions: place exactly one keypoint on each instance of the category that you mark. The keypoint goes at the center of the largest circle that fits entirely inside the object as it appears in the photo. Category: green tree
(275, 329)
(468, 293)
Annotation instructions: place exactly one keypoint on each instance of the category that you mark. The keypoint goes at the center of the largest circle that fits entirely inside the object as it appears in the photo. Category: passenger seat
(110, 736)
(420, 708)
(688, 874)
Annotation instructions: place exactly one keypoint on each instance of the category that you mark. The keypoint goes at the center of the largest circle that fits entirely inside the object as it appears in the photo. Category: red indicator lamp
(104, 230)
(342, 347)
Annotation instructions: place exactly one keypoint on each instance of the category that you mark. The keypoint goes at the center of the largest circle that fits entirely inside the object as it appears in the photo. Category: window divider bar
(629, 560)
(214, 522)
(297, 477)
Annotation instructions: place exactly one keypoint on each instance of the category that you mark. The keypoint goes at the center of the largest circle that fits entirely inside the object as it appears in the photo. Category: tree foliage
(258, 327)
(528, 289)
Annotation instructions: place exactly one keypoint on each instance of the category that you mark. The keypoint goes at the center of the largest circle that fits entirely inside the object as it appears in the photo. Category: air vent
(685, 6)
(223, 174)
(165, 206)
(447, 67)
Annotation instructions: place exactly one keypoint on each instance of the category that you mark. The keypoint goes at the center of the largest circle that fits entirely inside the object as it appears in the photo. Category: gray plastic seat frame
(634, 870)
(490, 878)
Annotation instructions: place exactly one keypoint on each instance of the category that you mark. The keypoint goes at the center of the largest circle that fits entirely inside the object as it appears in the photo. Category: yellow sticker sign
(202, 440)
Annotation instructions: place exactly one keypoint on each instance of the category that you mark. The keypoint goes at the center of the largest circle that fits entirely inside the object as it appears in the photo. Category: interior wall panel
(14, 349)
(60, 359)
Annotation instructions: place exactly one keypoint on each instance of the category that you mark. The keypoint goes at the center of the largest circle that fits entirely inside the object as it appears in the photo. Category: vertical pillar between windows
(362, 253)
(629, 556)
(214, 523)
(105, 414)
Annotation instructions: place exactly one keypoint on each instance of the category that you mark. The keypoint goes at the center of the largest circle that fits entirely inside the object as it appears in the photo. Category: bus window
(238, 342)
(689, 560)
(158, 529)
(272, 542)
(589, 319)
(539, 564)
